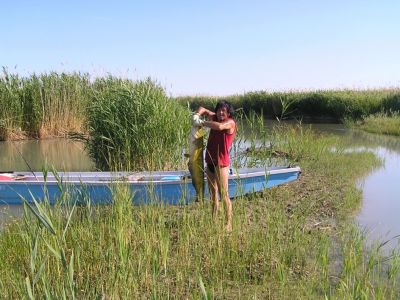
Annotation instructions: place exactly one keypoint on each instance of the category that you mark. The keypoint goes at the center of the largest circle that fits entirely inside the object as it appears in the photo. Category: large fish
(196, 162)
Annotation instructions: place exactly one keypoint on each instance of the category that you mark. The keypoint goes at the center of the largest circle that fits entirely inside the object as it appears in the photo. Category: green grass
(292, 241)
(381, 123)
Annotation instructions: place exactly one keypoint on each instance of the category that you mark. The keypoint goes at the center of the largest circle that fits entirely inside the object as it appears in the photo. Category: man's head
(224, 110)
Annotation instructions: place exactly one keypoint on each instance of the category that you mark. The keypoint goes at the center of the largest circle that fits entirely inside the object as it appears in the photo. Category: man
(223, 129)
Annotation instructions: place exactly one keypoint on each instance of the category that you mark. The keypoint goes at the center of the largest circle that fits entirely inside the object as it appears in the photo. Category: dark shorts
(211, 168)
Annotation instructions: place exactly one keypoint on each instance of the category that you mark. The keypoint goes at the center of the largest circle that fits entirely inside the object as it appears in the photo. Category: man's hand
(196, 120)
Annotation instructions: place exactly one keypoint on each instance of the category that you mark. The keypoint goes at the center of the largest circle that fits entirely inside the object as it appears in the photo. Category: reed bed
(293, 241)
(134, 126)
(126, 125)
(42, 105)
(11, 114)
(55, 104)
(325, 105)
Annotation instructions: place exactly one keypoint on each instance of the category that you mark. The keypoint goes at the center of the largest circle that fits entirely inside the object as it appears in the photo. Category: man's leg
(213, 188)
(222, 177)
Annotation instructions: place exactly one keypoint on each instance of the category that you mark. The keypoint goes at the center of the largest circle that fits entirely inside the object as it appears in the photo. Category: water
(381, 193)
(378, 216)
(381, 189)
(34, 155)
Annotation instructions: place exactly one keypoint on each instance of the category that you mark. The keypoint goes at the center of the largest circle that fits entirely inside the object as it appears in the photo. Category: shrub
(134, 126)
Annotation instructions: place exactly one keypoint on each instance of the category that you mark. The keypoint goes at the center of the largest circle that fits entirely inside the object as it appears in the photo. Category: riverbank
(292, 241)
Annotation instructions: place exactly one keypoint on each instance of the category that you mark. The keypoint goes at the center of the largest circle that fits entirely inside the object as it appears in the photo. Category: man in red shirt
(223, 130)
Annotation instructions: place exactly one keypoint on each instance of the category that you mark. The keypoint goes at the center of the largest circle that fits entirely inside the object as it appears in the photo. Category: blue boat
(169, 187)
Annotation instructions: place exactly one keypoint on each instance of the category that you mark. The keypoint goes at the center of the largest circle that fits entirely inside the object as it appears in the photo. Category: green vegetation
(56, 104)
(126, 125)
(381, 123)
(333, 105)
(293, 241)
(134, 126)
(42, 105)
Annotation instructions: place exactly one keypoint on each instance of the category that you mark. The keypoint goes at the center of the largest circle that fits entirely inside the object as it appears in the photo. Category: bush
(392, 103)
(134, 126)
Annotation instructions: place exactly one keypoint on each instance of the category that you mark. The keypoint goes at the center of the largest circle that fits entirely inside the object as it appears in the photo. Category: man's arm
(204, 111)
(229, 125)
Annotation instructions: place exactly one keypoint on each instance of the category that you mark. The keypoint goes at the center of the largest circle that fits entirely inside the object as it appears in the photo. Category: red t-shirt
(218, 146)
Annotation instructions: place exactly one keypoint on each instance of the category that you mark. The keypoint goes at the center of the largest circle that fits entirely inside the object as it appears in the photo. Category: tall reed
(134, 126)
(332, 105)
(42, 105)
(55, 103)
(11, 114)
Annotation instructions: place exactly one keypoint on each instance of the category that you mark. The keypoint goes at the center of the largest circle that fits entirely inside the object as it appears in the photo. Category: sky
(213, 48)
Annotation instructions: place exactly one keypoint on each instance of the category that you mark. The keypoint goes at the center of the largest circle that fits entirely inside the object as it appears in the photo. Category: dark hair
(227, 105)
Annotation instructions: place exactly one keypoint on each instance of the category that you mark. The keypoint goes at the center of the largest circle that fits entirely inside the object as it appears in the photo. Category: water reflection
(35, 154)
(360, 138)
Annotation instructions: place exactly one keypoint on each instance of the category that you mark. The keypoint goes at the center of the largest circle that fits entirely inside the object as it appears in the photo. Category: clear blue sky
(209, 47)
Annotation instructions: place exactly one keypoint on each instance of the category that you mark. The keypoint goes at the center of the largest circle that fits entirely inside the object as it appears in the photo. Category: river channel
(378, 215)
